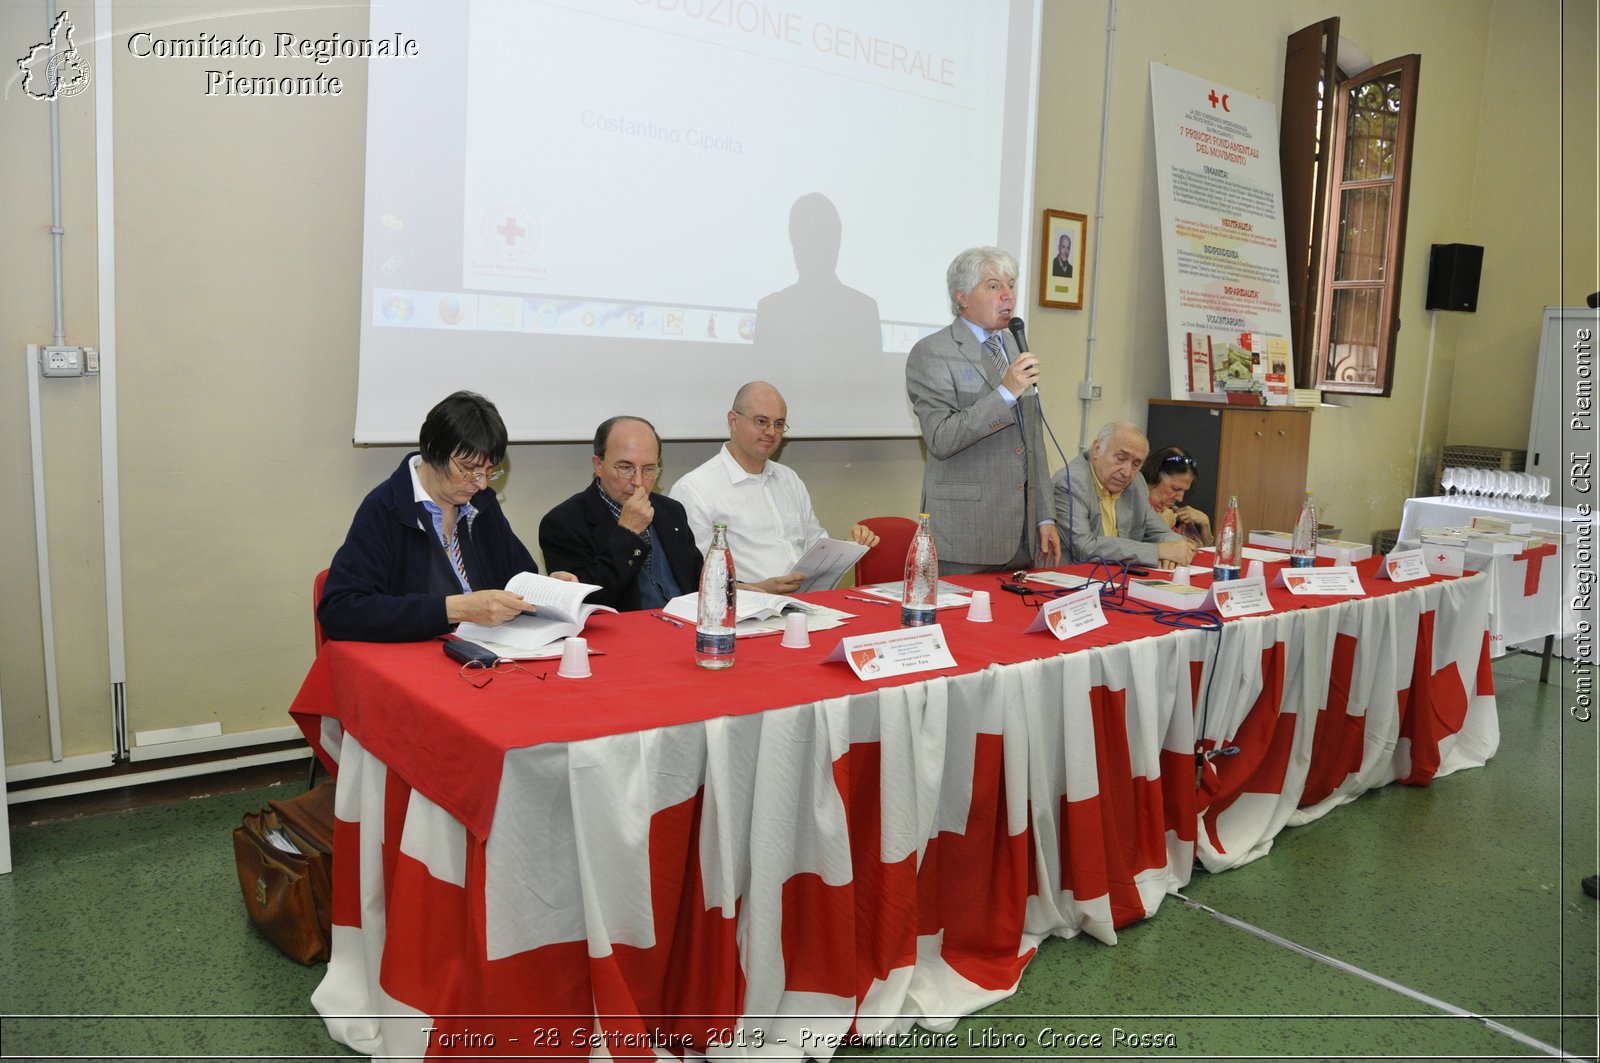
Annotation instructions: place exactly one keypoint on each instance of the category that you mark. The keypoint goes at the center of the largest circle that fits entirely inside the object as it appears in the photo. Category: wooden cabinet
(1255, 452)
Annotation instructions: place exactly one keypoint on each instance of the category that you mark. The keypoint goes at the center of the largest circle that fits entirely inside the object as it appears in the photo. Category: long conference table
(780, 858)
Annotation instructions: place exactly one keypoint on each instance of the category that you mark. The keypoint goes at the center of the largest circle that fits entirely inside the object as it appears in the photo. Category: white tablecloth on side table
(1531, 594)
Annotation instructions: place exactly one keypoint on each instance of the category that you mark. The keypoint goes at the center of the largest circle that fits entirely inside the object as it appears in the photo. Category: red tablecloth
(657, 852)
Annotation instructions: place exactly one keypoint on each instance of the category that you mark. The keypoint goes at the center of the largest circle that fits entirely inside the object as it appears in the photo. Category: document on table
(1069, 580)
(757, 613)
(825, 563)
(948, 596)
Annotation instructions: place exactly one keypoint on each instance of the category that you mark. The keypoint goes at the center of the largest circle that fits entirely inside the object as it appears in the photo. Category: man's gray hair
(1110, 428)
(967, 270)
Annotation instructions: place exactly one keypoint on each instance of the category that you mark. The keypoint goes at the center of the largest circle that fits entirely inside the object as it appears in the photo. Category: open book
(562, 612)
(757, 613)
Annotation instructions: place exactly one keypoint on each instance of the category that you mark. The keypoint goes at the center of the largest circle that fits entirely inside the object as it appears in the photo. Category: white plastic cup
(1341, 557)
(796, 635)
(1256, 568)
(574, 658)
(1180, 575)
(978, 610)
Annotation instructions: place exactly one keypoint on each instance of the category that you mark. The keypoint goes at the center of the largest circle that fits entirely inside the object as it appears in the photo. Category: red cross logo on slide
(1215, 99)
(508, 231)
(511, 231)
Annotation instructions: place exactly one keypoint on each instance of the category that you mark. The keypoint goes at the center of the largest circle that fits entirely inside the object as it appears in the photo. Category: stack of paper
(1168, 595)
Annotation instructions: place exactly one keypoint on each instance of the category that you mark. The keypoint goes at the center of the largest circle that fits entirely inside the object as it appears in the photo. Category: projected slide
(681, 195)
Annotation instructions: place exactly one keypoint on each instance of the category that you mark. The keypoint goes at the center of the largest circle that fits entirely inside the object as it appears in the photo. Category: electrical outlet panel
(61, 361)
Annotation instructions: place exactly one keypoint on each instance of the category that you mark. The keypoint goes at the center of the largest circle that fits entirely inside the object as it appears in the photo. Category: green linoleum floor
(1466, 892)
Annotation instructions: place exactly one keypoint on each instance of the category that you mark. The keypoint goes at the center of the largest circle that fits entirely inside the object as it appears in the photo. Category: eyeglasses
(480, 673)
(1178, 461)
(479, 474)
(626, 470)
(765, 423)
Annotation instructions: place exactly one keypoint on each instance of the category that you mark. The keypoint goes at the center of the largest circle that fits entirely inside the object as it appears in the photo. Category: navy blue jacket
(389, 580)
(582, 536)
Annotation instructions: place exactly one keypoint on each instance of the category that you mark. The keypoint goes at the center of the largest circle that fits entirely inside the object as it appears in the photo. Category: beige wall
(238, 243)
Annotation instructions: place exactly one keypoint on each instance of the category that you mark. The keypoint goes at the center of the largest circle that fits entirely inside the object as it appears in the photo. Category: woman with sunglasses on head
(1170, 472)
(430, 547)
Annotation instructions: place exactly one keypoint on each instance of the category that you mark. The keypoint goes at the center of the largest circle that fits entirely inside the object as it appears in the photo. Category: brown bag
(289, 895)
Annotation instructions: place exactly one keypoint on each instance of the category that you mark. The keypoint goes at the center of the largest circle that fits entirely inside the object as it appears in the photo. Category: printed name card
(1239, 597)
(1334, 580)
(1403, 566)
(1071, 615)
(891, 653)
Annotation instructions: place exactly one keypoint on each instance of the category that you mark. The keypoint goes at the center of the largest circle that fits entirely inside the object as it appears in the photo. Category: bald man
(1103, 505)
(764, 504)
(617, 532)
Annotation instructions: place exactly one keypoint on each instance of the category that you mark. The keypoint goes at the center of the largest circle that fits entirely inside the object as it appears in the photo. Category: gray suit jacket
(1082, 533)
(986, 478)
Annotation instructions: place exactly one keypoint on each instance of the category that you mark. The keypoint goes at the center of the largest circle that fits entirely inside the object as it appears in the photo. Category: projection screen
(635, 206)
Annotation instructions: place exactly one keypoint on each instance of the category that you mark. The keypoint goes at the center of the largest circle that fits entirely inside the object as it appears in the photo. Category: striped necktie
(453, 549)
(997, 351)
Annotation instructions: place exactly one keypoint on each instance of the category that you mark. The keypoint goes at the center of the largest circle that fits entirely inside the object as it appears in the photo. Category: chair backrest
(316, 599)
(887, 560)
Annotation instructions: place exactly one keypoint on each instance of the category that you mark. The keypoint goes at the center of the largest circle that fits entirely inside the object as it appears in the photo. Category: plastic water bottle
(921, 588)
(713, 630)
(1229, 548)
(1303, 547)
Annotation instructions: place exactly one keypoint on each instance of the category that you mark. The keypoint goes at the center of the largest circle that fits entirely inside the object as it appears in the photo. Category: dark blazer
(582, 536)
(389, 580)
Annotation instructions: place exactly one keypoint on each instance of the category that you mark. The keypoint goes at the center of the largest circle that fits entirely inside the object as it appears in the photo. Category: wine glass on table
(1519, 490)
(1448, 481)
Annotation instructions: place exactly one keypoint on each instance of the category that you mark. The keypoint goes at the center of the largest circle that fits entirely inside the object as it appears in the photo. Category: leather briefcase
(284, 855)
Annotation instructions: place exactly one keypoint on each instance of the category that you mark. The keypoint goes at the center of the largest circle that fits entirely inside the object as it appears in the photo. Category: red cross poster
(1221, 241)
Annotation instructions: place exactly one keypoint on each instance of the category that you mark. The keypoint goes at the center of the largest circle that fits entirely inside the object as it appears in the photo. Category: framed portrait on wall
(1061, 250)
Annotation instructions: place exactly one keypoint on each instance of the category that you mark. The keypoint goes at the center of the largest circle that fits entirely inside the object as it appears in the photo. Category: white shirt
(768, 513)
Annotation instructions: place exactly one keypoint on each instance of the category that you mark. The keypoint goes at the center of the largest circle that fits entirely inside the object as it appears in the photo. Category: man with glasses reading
(430, 547)
(764, 504)
(617, 532)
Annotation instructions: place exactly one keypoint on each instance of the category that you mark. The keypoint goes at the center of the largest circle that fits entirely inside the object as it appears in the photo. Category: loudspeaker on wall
(1453, 272)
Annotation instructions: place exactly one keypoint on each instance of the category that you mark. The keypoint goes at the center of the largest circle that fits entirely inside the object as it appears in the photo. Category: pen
(874, 601)
(668, 619)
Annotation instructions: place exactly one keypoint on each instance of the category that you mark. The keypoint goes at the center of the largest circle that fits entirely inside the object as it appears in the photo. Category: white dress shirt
(768, 513)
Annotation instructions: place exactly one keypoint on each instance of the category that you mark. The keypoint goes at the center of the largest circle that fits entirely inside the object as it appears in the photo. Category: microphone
(1017, 333)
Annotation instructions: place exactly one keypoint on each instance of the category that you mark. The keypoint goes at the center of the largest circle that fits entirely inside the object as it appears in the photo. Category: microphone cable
(1113, 578)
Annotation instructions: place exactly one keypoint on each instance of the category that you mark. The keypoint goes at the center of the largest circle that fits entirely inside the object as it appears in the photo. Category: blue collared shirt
(983, 335)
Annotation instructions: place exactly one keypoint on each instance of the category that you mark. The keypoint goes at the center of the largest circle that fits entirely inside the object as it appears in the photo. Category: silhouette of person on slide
(817, 314)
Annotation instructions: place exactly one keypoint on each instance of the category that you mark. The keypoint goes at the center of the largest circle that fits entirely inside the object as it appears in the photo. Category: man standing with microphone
(987, 482)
